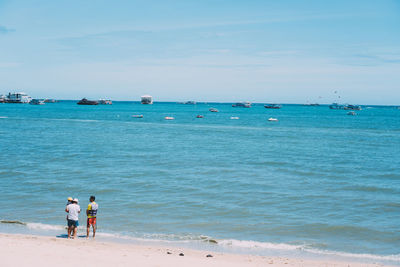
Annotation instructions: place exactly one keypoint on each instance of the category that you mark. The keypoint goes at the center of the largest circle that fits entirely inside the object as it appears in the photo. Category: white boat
(20, 97)
(137, 116)
(37, 102)
(105, 102)
(169, 118)
(272, 119)
(234, 118)
(146, 99)
(213, 110)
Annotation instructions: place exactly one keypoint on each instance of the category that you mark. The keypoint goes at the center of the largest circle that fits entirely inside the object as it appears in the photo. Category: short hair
(93, 197)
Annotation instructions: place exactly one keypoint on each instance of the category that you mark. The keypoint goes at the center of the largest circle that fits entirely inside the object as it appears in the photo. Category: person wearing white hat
(73, 210)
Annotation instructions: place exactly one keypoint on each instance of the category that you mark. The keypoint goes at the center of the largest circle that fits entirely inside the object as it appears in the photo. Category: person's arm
(66, 209)
(87, 210)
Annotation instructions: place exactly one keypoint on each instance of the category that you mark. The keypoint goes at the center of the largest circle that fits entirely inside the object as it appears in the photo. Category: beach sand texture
(29, 250)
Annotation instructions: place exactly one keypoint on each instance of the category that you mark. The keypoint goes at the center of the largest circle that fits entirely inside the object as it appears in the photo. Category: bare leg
(69, 231)
(94, 229)
(87, 231)
(75, 230)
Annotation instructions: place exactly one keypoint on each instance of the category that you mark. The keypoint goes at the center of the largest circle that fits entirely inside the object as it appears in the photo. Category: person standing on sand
(73, 216)
(91, 213)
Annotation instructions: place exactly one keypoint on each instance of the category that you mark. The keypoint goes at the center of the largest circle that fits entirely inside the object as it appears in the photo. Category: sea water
(315, 181)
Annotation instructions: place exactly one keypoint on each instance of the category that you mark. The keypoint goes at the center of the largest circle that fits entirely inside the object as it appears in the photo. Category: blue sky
(260, 51)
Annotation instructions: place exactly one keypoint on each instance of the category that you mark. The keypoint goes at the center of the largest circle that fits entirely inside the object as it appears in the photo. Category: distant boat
(50, 101)
(20, 97)
(272, 119)
(234, 118)
(147, 99)
(272, 106)
(190, 103)
(352, 107)
(37, 102)
(137, 116)
(242, 105)
(84, 101)
(213, 110)
(169, 118)
(105, 102)
(311, 104)
(352, 113)
(336, 106)
(199, 116)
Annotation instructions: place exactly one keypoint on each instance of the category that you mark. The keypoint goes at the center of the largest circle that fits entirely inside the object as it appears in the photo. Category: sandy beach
(30, 250)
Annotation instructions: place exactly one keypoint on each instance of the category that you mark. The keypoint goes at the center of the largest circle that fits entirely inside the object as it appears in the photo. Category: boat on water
(234, 118)
(242, 105)
(50, 101)
(352, 107)
(272, 119)
(169, 118)
(311, 104)
(273, 106)
(213, 110)
(345, 107)
(336, 106)
(2, 98)
(37, 102)
(20, 98)
(84, 101)
(146, 99)
(199, 116)
(137, 116)
(105, 102)
(351, 113)
(189, 103)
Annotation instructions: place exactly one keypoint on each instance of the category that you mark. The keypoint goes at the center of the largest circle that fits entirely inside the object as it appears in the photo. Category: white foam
(41, 226)
(258, 245)
(394, 257)
(3, 117)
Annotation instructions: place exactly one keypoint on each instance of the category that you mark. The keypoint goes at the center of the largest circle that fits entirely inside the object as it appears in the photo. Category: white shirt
(73, 211)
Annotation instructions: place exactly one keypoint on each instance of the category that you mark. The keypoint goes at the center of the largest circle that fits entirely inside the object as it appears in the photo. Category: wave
(248, 246)
(3, 117)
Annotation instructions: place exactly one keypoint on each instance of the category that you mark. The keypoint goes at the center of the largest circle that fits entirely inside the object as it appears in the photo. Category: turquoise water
(316, 181)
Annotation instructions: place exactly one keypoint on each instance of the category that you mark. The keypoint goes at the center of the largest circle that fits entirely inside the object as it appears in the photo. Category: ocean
(317, 182)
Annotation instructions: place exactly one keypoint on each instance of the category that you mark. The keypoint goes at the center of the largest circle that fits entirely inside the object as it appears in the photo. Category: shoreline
(31, 250)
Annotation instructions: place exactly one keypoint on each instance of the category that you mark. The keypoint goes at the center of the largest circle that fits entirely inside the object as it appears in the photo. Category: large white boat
(19, 97)
(147, 99)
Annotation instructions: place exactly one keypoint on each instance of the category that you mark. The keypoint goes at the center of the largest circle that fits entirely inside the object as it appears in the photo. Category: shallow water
(316, 180)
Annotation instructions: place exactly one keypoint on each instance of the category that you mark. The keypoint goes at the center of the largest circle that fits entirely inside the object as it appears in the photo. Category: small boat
(213, 110)
(105, 102)
(50, 101)
(352, 107)
(242, 105)
(199, 116)
(137, 116)
(336, 106)
(37, 102)
(272, 119)
(272, 106)
(189, 103)
(352, 113)
(234, 118)
(169, 118)
(84, 101)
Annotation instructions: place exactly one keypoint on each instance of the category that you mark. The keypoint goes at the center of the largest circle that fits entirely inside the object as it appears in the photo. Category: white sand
(27, 250)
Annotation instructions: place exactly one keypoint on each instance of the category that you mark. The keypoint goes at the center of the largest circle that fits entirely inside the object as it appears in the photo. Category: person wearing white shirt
(73, 210)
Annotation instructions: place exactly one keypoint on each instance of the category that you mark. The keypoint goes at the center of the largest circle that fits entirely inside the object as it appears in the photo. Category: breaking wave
(247, 246)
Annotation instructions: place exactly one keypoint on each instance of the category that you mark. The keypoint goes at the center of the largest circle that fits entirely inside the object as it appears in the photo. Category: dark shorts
(72, 223)
(91, 221)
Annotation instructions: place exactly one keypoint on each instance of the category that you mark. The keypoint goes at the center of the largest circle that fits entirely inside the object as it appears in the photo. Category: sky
(211, 50)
